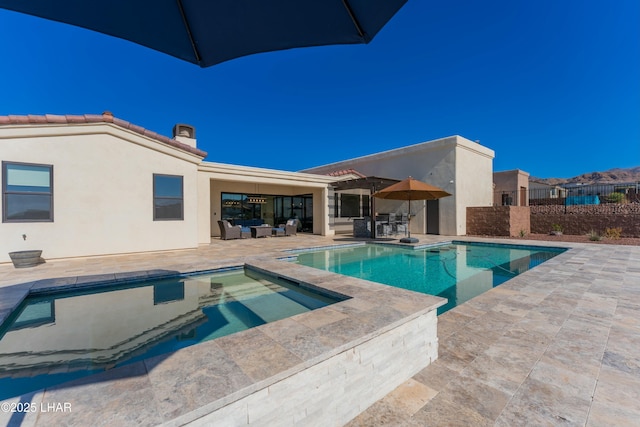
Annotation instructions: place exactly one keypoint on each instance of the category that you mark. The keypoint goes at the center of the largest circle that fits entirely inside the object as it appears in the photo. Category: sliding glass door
(271, 209)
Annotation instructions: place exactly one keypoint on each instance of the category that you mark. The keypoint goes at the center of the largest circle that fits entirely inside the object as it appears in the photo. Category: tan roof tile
(19, 119)
(75, 119)
(37, 119)
(52, 118)
(94, 118)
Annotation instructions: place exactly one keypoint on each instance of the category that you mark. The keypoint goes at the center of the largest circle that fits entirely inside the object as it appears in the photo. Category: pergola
(371, 183)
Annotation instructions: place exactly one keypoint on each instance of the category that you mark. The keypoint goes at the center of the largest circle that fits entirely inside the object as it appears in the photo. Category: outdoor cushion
(227, 231)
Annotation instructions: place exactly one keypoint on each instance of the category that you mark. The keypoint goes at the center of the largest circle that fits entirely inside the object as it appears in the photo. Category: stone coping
(179, 387)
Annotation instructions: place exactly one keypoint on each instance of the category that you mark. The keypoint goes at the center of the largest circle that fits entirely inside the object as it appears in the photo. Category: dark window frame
(181, 198)
(352, 206)
(6, 192)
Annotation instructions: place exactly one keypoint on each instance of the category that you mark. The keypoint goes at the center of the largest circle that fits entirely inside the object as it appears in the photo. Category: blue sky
(552, 86)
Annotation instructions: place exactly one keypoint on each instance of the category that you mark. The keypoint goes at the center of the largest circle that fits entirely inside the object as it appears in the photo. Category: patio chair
(393, 226)
(228, 231)
(401, 223)
(383, 226)
(288, 229)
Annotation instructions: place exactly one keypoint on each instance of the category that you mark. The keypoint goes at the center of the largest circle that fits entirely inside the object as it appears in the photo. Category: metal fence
(573, 195)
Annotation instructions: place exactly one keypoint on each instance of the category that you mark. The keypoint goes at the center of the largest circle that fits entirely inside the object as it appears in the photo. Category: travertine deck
(557, 345)
(366, 345)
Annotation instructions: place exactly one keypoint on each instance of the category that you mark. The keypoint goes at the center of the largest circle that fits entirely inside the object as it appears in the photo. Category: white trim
(227, 172)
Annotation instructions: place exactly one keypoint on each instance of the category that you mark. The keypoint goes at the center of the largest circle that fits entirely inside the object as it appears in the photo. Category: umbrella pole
(409, 219)
(409, 239)
(372, 221)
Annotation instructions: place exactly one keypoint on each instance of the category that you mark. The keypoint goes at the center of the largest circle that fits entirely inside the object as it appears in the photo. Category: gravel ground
(633, 241)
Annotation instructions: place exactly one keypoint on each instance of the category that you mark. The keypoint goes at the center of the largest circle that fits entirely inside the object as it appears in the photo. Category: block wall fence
(578, 220)
(574, 220)
(498, 221)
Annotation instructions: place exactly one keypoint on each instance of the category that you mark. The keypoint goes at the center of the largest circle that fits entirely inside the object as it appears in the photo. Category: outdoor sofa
(288, 229)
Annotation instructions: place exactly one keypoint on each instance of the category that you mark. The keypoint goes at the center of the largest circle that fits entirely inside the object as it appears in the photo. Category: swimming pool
(57, 337)
(457, 271)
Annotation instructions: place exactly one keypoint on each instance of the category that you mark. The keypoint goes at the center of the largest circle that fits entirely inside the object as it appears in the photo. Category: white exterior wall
(204, 209)
(455, 164)
(102, 191)
(474, 180)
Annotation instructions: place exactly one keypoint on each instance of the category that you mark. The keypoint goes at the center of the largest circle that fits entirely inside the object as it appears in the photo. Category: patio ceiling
(372, 183)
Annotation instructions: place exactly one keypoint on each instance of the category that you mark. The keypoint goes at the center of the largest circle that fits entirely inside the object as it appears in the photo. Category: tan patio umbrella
(411, 189)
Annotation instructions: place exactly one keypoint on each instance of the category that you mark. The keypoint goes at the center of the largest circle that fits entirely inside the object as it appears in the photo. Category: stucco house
(86, 185)
(457, 165)
(96, 185)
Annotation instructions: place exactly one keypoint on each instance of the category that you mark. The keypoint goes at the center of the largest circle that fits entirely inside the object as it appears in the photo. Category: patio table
(261, 231)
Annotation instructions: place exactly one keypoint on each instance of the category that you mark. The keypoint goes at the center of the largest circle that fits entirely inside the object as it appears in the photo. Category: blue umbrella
(207, 32)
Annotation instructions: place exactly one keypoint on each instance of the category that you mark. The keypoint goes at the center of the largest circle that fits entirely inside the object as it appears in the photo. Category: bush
(594, 236)
(615, 198)
(556, 227)
(613, 233)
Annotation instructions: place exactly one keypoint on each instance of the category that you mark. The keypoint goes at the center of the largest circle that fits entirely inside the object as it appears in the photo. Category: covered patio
(368, 223)
(264, 196)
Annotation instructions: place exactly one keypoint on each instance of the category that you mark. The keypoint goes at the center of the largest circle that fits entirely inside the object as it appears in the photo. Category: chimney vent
(185, 134)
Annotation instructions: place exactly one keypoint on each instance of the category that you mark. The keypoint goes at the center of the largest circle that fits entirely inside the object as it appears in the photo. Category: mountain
(609, 176)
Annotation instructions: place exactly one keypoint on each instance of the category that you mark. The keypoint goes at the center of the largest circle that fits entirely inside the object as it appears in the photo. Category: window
(242, 206)
(27, 192)
(350, 205)
(232, 206)
(168, 203)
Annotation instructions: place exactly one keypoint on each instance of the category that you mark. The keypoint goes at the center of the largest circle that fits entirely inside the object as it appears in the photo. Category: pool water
(55, 338)
(456, 271)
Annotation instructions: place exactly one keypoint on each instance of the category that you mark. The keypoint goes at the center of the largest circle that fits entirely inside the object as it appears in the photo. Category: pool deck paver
(557, 345)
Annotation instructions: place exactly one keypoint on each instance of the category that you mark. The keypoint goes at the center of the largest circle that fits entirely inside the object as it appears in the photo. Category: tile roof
(105, 117)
